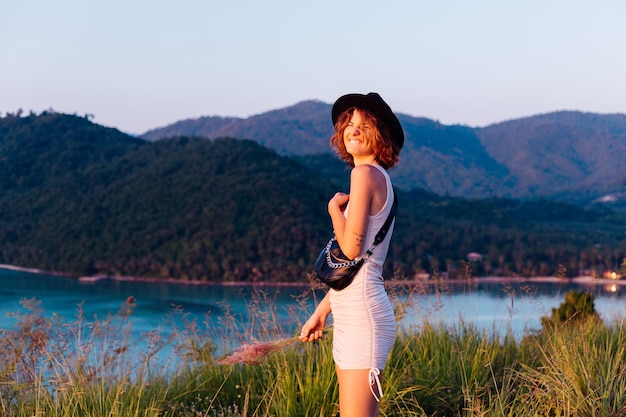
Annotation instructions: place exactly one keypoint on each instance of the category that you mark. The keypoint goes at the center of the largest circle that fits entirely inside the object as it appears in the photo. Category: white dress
(363, 317)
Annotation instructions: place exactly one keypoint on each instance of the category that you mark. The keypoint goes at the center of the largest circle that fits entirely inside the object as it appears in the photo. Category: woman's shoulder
(367, 171)
(367, 174)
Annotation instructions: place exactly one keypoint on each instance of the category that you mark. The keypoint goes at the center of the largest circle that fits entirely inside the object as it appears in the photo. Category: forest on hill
(562, 156)
(83, 199)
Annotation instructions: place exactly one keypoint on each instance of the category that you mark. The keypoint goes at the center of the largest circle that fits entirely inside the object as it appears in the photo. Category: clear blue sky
(141, 64)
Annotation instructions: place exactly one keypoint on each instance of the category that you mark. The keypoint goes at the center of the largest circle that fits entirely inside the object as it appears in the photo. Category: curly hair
(386, 150)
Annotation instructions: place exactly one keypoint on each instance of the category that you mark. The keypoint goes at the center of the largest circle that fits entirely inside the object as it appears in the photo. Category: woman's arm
(313, 329)
(365, 197)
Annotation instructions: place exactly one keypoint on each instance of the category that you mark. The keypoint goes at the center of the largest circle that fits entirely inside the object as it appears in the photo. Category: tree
(577, 308)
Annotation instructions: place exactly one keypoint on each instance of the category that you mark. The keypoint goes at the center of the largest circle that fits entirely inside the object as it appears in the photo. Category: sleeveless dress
(363, 317)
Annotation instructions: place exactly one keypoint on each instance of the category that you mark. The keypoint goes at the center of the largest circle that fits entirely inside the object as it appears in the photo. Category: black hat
(375, 104)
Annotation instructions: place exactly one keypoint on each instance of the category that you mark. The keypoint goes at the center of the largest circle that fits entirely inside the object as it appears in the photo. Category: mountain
(563, 153)
(571, 156)
(80, 198)
(83, 199)
(297, 130)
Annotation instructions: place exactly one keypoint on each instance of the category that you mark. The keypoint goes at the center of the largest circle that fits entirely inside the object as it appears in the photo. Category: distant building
(611, 275)
(587, 273)
(474, 257)
(421, 275)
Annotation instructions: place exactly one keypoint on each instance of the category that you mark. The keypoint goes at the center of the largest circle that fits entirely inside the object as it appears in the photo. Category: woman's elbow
(352, 252)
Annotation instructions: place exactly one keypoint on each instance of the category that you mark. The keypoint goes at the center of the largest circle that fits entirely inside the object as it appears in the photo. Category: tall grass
(49, 367)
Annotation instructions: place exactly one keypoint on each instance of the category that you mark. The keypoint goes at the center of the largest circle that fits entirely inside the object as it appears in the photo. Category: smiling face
(358, 137)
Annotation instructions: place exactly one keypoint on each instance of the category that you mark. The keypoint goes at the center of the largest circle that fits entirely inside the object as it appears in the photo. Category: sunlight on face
(356, 136)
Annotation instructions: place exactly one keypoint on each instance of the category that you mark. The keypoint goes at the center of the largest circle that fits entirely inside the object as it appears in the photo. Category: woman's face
(357, 136)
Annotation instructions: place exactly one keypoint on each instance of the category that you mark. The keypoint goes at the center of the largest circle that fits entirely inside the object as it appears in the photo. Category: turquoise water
(516, 306)
(154, 302)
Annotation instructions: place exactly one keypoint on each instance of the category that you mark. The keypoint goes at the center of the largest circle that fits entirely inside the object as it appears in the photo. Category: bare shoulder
(368, 174)
(369, 183)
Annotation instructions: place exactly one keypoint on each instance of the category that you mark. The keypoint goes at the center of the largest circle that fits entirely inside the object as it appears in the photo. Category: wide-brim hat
(374, 103)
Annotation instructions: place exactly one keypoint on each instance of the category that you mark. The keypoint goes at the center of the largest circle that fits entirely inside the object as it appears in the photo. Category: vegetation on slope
(569, 156)
(83, 199)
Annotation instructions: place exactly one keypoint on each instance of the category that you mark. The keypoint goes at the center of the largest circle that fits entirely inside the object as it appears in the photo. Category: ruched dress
(363, 317)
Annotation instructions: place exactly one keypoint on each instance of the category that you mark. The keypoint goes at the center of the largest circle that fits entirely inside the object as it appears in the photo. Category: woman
(368, 137)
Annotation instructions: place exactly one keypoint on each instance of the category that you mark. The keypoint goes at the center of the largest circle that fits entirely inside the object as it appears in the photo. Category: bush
(577, 308)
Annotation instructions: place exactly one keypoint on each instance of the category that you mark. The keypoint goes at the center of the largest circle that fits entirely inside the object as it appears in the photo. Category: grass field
(573, 366)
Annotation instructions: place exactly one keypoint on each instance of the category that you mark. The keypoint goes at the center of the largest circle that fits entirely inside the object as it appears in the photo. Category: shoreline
(90, 279)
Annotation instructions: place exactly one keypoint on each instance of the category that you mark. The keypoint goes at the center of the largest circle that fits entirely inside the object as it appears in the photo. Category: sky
(140, 64)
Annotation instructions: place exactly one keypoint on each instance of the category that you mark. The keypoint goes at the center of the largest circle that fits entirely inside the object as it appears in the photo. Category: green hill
(566, 156)
(572, 155)
(80, 198)
(187, 208)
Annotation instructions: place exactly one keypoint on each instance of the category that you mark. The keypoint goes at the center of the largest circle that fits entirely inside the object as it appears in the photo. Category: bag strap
(380, 236)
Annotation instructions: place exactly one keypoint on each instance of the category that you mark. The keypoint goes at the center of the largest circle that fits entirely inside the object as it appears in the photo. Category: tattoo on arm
(359, 238)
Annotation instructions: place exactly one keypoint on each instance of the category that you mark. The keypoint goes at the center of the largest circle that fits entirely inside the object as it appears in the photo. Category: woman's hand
(313, 329)
(338, 202)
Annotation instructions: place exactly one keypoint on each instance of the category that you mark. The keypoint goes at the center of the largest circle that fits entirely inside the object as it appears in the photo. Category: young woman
(368, 137)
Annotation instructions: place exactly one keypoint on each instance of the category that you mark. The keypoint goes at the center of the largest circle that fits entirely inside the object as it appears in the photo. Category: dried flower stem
(255, 353)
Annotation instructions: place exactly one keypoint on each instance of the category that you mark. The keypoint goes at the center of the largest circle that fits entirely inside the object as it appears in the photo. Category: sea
(231, 313)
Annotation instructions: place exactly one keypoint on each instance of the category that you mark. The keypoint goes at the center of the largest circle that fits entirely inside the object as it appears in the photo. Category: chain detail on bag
(338, 275)
(337, 265)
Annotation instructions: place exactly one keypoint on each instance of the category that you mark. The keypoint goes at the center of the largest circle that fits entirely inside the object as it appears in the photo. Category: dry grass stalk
(255, 353)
